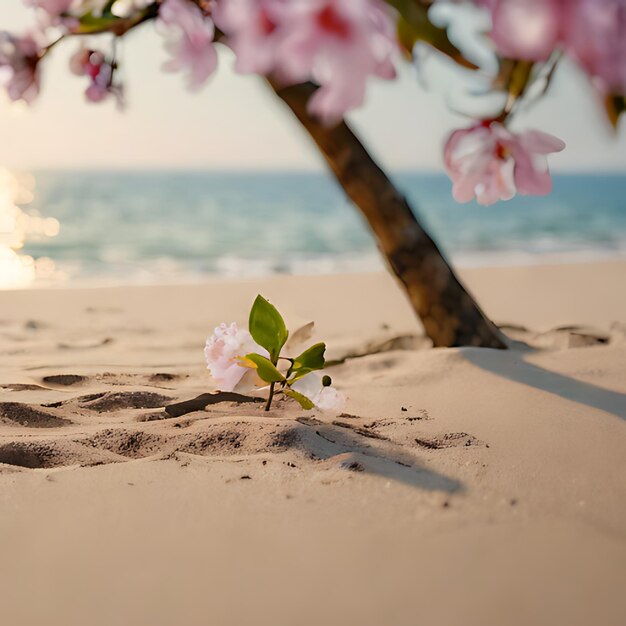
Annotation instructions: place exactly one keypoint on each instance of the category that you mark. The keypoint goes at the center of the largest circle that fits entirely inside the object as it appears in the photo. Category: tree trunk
(449, 314)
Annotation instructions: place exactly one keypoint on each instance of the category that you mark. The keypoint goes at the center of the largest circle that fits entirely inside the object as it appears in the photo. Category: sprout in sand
(232, 354)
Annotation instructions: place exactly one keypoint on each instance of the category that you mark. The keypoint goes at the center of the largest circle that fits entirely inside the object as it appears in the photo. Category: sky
(235, 122)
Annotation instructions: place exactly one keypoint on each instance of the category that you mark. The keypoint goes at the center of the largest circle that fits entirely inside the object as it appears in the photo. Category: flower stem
(268, 406)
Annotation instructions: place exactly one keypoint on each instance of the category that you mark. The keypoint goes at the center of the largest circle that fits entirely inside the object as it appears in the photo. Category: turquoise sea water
(168, 226)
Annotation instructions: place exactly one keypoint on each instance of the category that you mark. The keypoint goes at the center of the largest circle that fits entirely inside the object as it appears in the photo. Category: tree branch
(449, 314)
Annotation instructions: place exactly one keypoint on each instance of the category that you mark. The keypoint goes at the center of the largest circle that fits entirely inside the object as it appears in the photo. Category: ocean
(104, 227)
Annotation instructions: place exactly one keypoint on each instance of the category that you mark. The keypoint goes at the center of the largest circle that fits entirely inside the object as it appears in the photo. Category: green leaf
(265, 368)
(304, 402)
(310, 360)
(267, 327)
(95, 24)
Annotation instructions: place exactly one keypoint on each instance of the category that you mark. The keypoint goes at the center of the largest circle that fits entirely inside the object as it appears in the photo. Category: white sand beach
(459, 487)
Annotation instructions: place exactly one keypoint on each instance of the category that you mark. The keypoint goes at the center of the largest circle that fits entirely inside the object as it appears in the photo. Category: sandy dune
(460, 486)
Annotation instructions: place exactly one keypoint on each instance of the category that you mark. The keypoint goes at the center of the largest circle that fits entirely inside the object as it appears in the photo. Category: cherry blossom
(525, 29)
(255, 29)
(342, 44)
(338, 44)
(190, 40)
(490, 163)
(99, 69)
(223, 353)
(53, 8)
(596, 38)
(19, 60)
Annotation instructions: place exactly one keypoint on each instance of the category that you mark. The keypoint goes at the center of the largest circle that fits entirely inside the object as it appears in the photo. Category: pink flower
(223, 352)
(596, 38)
(100, 71)
(54, 8)
(190, 40)
(490, 163)
(324, 398)
(525, 29)
(341, 44)
(20, 57)
(255, 29)
(338, 44)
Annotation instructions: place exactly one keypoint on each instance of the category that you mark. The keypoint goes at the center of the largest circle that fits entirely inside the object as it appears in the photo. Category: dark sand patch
(114, 401)
(130, 444)
(65, 380)
(48, 454)
(29, 416)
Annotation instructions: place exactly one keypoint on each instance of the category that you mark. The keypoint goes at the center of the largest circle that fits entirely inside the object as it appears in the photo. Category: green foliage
(267, 327)
(266, 370)
(95, 24)
(304, 402)
(310, 360)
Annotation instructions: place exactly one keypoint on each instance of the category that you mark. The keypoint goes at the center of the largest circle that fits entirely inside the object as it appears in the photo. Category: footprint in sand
(48, 454)
(29, 416)
(22, 387)
(114, 401)
(109, 401)
(129, 444)
(64, 380)
(215, 425)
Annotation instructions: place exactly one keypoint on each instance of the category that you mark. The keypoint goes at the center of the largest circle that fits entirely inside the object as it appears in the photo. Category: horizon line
(272, 170)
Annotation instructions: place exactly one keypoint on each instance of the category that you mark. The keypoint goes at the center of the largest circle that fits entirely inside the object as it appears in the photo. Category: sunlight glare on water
(19, 270)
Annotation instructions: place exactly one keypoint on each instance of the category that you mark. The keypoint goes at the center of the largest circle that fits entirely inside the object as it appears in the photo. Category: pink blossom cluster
(19, 60)
(340, 45)
(53, 8)
(593, 32)
(99, 70)
(487, 161)
(190, 35)
(337, 43)
(490, 163)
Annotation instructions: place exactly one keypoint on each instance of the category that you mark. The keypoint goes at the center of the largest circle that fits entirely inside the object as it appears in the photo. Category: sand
(459, 487)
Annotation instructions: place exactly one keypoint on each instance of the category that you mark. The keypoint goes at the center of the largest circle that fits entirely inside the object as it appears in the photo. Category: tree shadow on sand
(511, 365)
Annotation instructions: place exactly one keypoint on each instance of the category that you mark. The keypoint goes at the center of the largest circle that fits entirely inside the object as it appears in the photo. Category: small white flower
(324, 398)
(223, 351)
